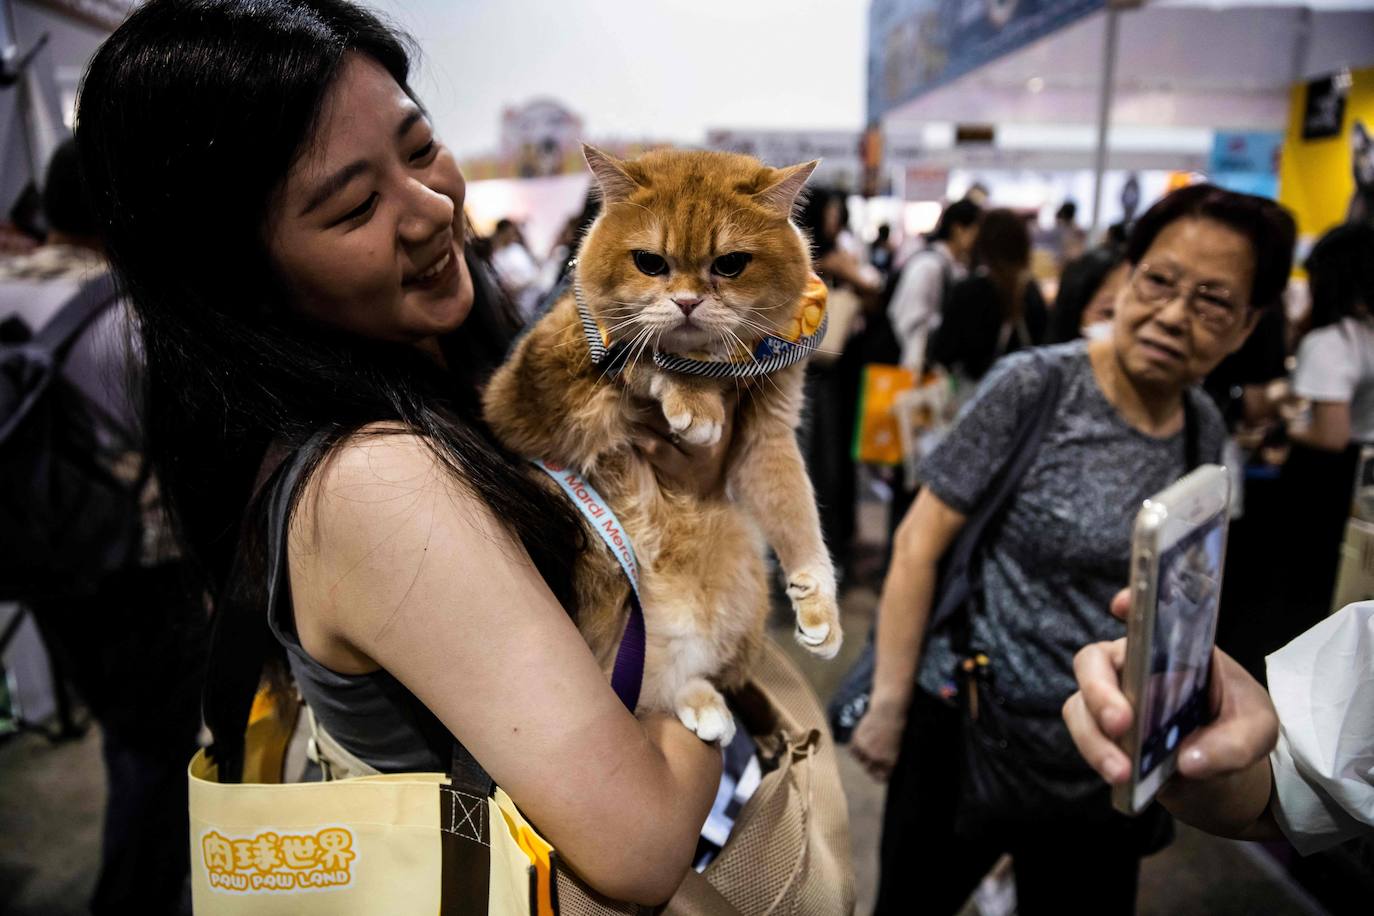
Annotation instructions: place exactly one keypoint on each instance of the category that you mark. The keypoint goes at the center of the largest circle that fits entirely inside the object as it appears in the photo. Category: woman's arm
(394, 563)
(922, 538)
(1328, 430)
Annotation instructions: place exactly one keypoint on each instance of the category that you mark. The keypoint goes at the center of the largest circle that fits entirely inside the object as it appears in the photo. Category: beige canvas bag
(789, 850)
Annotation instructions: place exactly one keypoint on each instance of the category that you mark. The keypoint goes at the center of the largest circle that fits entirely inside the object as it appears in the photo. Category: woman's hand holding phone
(1223, 782)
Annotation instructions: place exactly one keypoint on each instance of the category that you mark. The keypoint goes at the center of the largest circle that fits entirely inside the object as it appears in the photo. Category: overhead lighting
(1035, 84)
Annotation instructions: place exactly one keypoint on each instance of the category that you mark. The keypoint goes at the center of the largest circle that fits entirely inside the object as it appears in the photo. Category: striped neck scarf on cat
(759, 357)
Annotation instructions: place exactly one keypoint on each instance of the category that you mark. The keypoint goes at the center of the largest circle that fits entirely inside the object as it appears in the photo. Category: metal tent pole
(1104, 110)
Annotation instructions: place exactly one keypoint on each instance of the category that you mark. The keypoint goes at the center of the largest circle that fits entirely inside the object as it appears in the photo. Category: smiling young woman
(291, 234)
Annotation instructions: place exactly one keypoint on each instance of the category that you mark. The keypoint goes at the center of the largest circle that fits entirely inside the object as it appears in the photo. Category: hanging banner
(1328, 179)
(925, 182)
(916, 45)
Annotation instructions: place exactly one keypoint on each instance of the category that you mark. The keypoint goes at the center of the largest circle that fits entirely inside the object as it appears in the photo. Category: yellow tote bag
(396, 844)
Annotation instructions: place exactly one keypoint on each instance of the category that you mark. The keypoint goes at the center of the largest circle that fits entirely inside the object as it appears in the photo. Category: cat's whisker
(641, 341)
(606, 371)
(645, 347)
(764, 376)
(623, 323)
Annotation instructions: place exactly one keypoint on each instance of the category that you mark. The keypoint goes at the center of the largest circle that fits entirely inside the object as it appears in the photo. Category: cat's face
(693, 250)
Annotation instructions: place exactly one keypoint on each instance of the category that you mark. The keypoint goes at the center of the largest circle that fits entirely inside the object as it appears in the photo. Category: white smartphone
(1177, 556)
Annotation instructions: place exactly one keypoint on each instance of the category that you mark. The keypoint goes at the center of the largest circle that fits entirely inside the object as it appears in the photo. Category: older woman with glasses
(1127, 420)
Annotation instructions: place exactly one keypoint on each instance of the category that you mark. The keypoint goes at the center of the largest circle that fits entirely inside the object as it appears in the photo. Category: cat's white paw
(702, 709)
(694, 429)
(818, 614)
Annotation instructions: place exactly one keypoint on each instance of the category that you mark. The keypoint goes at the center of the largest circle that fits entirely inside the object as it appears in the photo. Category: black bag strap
(958, 566)
(31, 367)
(62, 329)
(957, 572)
(279, 478)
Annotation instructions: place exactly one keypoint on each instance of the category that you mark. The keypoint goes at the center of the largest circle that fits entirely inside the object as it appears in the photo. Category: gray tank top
(372, 716)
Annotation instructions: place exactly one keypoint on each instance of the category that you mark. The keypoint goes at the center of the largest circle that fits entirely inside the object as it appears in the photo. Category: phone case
(1181, 508)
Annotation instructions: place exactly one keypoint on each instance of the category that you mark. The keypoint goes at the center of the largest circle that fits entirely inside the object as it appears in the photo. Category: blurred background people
(882, 252)
(832, 375)
(1085, 304)
(917, 304)
(928, 277)
(1335, 376)
(517, 269)
(131, 643)
(1129, 420)
(998, 308)
(568, 243)
(1069, 238)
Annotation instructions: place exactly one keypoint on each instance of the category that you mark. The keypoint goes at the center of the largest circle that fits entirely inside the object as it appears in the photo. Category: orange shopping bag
(877, 439)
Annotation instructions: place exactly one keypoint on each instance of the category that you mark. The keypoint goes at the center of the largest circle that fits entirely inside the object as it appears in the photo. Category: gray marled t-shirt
(1064, 547)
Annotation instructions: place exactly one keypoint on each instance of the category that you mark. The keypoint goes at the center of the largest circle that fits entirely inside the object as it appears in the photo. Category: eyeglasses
(1212, 304)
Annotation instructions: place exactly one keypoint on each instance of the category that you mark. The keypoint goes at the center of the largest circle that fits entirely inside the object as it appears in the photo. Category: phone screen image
(1188, 593)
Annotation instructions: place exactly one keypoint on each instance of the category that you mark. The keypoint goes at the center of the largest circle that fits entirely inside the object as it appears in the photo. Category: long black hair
(1002, 249)
(1078, 286)
(960, 213)
(189, 118)
(1340, 275)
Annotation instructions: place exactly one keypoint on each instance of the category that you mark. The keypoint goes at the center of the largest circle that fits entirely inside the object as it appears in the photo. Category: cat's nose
(686, 302)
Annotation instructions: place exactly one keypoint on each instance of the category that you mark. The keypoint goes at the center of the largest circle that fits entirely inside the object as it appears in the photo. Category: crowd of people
(1174, 348)
(344, 320)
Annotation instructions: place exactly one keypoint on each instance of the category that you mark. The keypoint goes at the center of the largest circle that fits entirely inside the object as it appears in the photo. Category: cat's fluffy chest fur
(703, 576)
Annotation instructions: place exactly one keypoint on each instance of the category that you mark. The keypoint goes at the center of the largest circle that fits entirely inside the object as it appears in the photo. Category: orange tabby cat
(694, 254)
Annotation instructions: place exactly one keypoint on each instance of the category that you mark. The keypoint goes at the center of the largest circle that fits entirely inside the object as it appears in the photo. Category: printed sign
(1246, 151)
(283, 862)
(1324, 112)
(925, 182)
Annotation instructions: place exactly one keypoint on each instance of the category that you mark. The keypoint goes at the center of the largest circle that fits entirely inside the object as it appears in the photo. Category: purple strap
(628, 674)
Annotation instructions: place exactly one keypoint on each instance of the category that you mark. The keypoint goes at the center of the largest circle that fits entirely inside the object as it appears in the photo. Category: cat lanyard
(763, 357)
(629, 660)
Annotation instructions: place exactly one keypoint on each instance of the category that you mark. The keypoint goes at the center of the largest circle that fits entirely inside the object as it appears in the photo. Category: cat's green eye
(731, 265)
(650, 263)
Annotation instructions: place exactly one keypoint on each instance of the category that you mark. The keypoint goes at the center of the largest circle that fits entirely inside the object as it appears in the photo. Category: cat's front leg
(700, 707)
(676, 664)
(694, 411)
(770, 479)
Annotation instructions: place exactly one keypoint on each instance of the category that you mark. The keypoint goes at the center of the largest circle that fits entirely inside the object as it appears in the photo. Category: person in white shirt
(927, 277)
(1335, 370)
(1335, 376)
(516, 269)
(1297, 761)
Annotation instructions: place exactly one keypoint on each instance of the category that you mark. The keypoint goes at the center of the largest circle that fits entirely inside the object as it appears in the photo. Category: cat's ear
(615, 182)
(785, 186)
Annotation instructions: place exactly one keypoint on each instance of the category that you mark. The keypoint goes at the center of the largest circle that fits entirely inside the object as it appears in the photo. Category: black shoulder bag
(68, 519)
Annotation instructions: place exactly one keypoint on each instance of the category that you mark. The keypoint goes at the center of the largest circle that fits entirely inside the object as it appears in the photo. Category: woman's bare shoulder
(380, 502)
